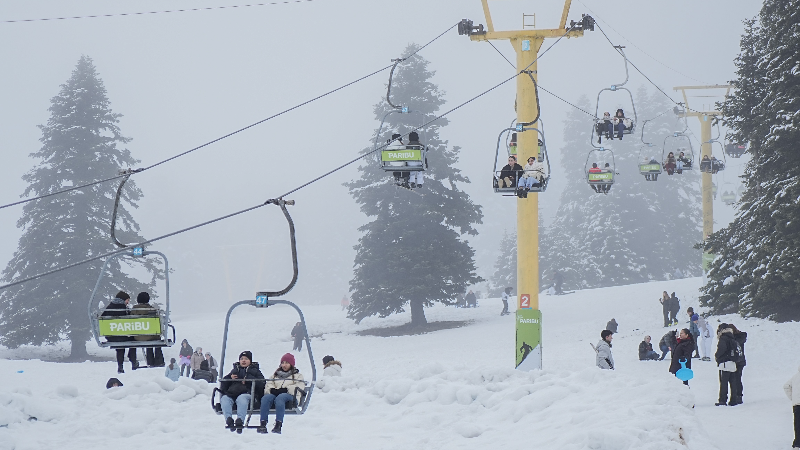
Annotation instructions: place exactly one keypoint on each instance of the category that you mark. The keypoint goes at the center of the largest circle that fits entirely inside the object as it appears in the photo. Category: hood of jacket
(724, 331)
(331, 363)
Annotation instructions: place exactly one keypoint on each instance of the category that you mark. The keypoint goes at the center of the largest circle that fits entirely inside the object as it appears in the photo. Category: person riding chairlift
(595, 169)
(716, 165)
(415, 178)
(605, 127)
(619, 119)
(670, 164)
(510, 173)
(705, 164)
(683, 161)
(396, 143)
(651, 176)
(533, 176)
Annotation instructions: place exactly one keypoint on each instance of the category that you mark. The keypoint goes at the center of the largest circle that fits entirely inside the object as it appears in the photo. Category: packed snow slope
(447, 389)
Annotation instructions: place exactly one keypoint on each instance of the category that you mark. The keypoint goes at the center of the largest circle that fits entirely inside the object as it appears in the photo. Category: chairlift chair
(599, 177)
(515, 189)
(729, 197)
(714, 165)
(601, 127)
(263, 301)
(735, 150)
(648, 166)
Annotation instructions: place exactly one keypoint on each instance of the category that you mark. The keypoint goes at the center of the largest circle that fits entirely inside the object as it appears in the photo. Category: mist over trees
(757, 270)
(412, 252)
(79, 145)
(642, 230)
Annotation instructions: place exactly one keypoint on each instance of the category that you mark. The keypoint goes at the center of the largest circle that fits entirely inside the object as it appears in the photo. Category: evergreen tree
(757, 269)
(642, 230)
(79, 145)
(505, 267)
(413, 251)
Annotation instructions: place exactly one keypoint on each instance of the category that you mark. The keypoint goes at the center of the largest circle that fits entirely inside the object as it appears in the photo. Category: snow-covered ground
(447, 389)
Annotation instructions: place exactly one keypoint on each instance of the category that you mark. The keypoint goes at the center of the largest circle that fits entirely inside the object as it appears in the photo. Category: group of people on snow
(194, 363)
(670, 306)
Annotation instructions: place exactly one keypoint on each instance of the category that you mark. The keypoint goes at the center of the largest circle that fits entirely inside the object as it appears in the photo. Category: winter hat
(113, 382)
(247, 354)
(123, 295)
(143, 297)
(327, 359)
(204, 365)
(289, 358)
(605, 333)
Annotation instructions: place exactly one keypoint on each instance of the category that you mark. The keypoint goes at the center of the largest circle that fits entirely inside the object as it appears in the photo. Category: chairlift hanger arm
(389, 87)
(126, 174)
(538, 104)
(282, 203)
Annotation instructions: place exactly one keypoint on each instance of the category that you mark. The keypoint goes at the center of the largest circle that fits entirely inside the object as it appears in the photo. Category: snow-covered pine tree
(757, 271)
(505, 267)
(413, 251)
(642, 230)
(79, 145)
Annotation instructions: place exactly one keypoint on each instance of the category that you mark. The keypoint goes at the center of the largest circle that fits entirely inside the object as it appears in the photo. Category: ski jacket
(251, 372)
(725, 347)
(115, 309)
(186, 351)
(669, 340)
(693, 328)
(612, 326)
(297, 333)
(173, 374)
(665, 302)
(145, 309)
(604, 358)
(683, 350)
(288, 384)
(741, 338)
(675, 304)
(792, 389)
(511, 172)
(196, 360)
(332, 369)
(644, 348)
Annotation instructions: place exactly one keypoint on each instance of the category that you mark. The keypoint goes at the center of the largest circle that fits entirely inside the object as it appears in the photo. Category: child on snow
(604, 358)
(172, 372)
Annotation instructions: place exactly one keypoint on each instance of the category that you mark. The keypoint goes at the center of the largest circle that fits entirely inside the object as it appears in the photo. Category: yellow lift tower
(706, 120)
(527, 43)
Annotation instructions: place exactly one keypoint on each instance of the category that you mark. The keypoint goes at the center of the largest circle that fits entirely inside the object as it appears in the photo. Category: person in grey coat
(604, 358)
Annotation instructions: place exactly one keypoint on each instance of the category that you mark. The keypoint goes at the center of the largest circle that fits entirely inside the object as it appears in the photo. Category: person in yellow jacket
(281, 389)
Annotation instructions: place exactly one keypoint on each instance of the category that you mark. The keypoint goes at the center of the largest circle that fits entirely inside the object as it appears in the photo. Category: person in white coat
(282, 388)
(604, 358)
(792, 389)
(331, 367)
(533, 174)
(706, 337)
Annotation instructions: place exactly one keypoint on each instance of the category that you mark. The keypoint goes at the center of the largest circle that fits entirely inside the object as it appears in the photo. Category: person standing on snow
(792, 389)
(196, 359)
(646, 350)
(604, 358)
(345, 303)
(558, 280)
(707, 337)
(726, 356)
(504, 297)
(741, 338)
(683, 351)
(667, 343)
(472, 300)
(694, 330)
(675, 308)
(665, 302)
(298, 334)
(612, 325)
(186, 357)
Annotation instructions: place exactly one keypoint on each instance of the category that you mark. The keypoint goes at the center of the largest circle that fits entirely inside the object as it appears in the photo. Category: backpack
(737, 352)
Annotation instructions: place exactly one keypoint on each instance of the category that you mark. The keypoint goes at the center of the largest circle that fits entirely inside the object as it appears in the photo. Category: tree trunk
(418, 314)
(77, 351)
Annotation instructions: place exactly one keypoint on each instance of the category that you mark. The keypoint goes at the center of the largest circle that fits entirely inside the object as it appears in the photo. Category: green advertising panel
(401, 155)
(649, 167)
(707, 258)
(529, 339)
(129, 326)
(601, 176)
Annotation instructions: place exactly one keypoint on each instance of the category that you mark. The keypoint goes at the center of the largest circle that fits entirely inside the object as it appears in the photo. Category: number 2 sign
(525, 301)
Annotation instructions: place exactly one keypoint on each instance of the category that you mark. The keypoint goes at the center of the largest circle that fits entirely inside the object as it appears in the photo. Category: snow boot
(735, 401)
(134, 364)
(720, 404)
(263, 428)
(229, 424)
(239, 425)
(120, 369)
(277, 428)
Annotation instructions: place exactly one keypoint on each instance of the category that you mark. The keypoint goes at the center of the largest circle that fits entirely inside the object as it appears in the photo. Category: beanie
(288, 358)
(143, 297)
(247, 354)
(605, 333)
(113, 382)
(327, 359)
(123, 295)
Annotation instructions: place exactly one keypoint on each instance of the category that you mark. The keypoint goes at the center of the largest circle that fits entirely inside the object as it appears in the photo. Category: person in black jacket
(298, 334)
(741, 338)
(510, 173)
(726, 352)
(203, 373)
(646, 350)
(664, 300)
(239, 392)
(667, 344)
(674, 309)
(119, 307)
(683, 351)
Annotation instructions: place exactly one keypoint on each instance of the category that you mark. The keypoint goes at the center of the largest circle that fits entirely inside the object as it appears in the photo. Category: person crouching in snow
(683, 351)
(235, 389)
(604, 358)
(332, 368)
(646, 352)
(282, 387)
(172, 372)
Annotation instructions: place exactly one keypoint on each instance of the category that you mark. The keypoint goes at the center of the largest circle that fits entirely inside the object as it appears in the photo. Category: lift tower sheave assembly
(706, 119)
(526, 44)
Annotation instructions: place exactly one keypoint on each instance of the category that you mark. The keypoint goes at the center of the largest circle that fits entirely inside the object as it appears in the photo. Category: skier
(612, 325)
(683, 351)
(154, 357)
(705, 333)
(694, 329)
(506, 294)
(741, 338)
(558, 280)
(646, 352)
(172, 372)
(792, 389)
(665, 302)
(282, 390)
(726, 356)
(667, 343)
(298, 333)
(235, 391)
(119, 307)
(331, 367)
(674, 309)
(604, 358)
(185, 356)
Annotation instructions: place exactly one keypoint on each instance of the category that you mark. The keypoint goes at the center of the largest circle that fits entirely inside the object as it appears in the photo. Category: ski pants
(796, 409)
(705, 343)
(673, 316)
(242, 405)
(268, 400)
(505, 308)
(188, 370)
(121, 355)
(725, 379)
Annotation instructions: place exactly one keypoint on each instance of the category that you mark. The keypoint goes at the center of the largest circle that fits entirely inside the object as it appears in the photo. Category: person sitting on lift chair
(532, 177)
(670, 164)
(683, 162)
(510, 173)
(396, 143)
(705, 164)
(606, 186)
(594, 169)
(119, 307)
(415, 178)
(155, 357)
(235, 390)
(619, 118)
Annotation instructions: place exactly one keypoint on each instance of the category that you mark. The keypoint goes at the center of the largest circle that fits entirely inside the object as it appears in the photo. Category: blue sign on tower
(138, 251)
(261, 300)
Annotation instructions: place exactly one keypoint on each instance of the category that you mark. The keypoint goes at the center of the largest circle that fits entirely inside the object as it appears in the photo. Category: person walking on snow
(683, 352)
(694, 330)
(298, 334)
(345, 303)
(792, 389)
(504, 297)
(728, 352)
(558, 280)
(664, 300)
(675, 308)
(604, 358)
